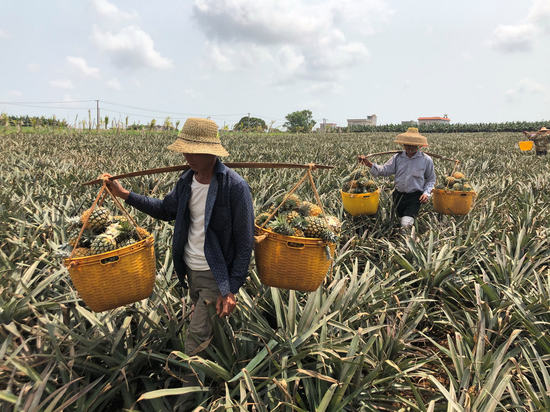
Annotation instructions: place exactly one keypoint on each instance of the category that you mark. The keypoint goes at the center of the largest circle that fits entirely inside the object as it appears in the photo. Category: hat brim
(183, 145)
(413, 141)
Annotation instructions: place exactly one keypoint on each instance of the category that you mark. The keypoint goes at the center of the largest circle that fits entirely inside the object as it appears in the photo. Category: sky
(476, 61)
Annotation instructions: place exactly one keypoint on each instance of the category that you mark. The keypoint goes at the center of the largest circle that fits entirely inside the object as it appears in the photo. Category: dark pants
(406, 204)
(541, 152)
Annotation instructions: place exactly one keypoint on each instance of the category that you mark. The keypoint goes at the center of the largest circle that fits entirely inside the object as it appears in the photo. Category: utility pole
(97, 103)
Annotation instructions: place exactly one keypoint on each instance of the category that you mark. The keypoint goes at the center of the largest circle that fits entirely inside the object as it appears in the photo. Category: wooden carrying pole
(233, 165)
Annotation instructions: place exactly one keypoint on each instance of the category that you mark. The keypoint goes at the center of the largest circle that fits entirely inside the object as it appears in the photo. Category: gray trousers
(202, 289)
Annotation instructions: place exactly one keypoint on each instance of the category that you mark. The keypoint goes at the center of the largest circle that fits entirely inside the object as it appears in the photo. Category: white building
(369, 121)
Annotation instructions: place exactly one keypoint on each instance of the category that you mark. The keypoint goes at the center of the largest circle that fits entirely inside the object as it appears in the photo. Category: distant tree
(300, 122)
(250, 124)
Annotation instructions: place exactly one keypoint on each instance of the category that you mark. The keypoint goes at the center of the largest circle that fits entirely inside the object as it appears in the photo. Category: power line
(166, 112)
(65, 102)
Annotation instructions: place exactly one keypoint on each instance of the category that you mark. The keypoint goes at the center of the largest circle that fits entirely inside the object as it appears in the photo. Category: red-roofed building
(430, 120)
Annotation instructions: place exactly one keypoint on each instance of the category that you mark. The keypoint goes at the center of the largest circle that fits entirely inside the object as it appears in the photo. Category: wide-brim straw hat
(543, 130)
(199, 136)
(411, 137)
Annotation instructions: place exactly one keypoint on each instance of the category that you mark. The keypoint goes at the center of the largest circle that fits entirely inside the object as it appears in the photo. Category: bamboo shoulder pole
(233, 165)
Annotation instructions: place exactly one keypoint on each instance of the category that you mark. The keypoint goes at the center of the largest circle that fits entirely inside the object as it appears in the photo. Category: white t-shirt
(194, 248)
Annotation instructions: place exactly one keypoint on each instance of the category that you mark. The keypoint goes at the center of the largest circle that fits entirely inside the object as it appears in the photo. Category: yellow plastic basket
(449, 202)
(361, 203)
(526, 145)
(104, 284)
(289, 262)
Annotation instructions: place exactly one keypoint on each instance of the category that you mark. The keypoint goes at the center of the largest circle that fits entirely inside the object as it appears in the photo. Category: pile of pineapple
(299, 218)
(103, 233)
(456, 182)
(358, 182)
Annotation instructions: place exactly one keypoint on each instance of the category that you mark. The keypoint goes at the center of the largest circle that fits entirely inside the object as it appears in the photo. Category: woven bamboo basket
(289, 262)
(117, 278)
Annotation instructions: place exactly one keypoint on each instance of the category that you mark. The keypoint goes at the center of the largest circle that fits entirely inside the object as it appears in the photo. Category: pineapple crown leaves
(281, 226)
(299, 222)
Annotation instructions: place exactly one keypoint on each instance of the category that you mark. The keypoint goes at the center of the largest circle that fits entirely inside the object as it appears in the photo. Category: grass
(454, 321)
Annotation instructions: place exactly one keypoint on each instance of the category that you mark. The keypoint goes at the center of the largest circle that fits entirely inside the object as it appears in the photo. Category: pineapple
(82, 252)
(74, 223)
(290, 216)
(449, 181)
(314, 210)
(119, 219)
(457, 187)
(103, 243)
(334, 224)
(126, 242)
(261, 218)
(298, 232)
(315, 226)
(85, 240)
(97, 219)
(458, 175)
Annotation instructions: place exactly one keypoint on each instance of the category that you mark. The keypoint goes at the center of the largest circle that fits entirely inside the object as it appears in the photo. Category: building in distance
(431, 120)
(369, 121)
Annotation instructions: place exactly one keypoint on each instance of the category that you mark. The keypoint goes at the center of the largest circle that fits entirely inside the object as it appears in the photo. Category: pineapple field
(455, 318)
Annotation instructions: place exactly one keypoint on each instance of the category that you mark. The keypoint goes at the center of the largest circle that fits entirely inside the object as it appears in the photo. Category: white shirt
(193, 254)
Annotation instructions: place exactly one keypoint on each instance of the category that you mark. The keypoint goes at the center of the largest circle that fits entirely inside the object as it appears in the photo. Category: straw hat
(199, 136)
(411, 137)
(543, 130)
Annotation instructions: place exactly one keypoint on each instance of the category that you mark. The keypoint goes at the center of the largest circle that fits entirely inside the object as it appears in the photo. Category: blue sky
(477, 61)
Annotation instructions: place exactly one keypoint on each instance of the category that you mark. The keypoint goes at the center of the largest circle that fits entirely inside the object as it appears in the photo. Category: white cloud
(325, 87)
(235, 56)
(80, 65)
(4, 34)
(466, 56)
(521, 37)
(513, 38)
(111, 13)
(114, 84)
(526, 87)
(33, 67)
(62, 84)
(130, 48)
(307, 39)
(539, 15)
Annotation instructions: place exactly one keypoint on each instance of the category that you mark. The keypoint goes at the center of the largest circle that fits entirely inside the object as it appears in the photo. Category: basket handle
(293, 245)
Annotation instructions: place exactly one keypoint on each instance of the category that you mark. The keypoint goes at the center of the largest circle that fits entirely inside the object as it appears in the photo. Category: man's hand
(364, 160)
(116, 188)
(225, 305)
(424, 199)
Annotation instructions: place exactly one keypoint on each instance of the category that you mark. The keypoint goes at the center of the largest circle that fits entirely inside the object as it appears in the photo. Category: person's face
(200, 163)
(410, 150)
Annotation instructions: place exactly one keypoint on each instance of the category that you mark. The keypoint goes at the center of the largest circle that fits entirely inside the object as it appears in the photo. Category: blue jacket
(229, 224)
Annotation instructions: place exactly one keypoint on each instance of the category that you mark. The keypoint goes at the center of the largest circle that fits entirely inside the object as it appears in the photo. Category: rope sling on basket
(292, 262)
(116, 278)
